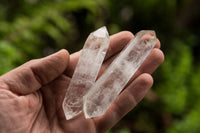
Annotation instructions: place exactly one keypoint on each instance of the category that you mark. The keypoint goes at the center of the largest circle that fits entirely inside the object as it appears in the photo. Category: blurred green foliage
(36, 28)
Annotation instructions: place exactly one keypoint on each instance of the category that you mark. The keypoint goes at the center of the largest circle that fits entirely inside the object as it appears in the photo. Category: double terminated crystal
(110, 84)
(94, 98)
(86, 71)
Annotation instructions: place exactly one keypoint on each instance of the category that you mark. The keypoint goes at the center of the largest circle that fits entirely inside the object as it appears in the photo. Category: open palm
(31, 95)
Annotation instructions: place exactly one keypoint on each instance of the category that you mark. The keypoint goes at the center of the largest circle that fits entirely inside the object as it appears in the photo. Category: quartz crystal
(86, 71)
(110, 84)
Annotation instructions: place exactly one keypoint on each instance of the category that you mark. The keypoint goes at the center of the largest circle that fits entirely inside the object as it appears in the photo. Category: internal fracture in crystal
(111, 83)
(86, 71)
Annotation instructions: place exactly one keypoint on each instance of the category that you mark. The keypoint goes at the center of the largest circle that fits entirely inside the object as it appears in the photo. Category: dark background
(36, 28)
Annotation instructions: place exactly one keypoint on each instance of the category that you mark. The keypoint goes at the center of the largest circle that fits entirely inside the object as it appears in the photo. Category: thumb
(32, 75)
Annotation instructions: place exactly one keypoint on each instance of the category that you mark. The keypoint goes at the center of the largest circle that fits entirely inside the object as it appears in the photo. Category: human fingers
(125, 102)
(153, 60)
(109, 60)
(117, 43)
(157, 44)
(151, 63)
(32, 75)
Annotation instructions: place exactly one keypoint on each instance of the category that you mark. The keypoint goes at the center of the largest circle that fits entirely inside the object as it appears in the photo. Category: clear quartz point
(86, 71)
(110, 84)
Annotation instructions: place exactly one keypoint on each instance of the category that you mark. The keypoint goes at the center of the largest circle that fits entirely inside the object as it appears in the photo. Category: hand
(31, 95)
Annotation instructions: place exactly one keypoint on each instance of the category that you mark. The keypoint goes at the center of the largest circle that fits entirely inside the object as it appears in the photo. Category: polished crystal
(86, 71)
(111, 83)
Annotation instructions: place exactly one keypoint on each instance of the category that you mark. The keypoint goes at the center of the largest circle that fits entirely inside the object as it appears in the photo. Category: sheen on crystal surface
(111, 83)
(86, 71)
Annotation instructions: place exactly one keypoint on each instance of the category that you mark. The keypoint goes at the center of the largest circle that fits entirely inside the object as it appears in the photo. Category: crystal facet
(86, 71)
(110, 84)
